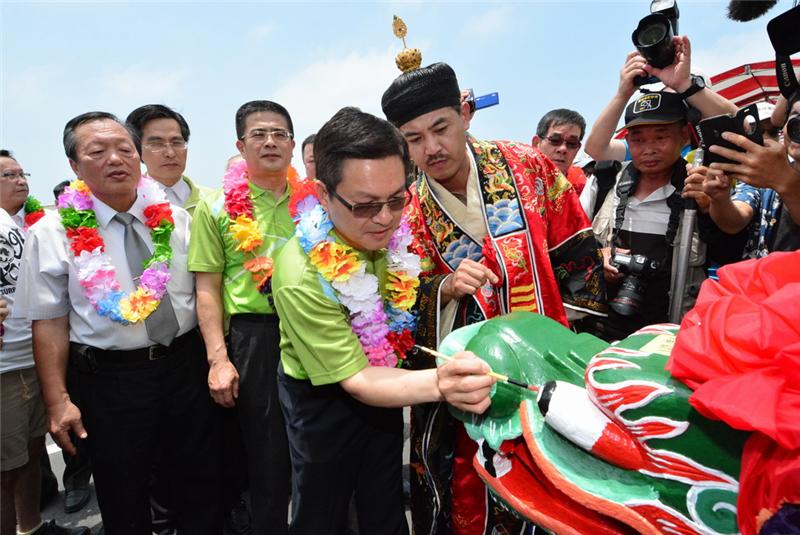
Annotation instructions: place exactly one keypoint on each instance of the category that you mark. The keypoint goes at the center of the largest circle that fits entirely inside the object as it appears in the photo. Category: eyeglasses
(364, 210)
(161, 146)
(557, 140)
(279, 135)
(8, 175)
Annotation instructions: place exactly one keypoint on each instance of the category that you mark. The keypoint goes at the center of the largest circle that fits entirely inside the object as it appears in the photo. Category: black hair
(142, 115)
(71, 141)
(59, 188)
(306, 141)
(558, 117)
(352, 133)
(7, 154)
(255, 106)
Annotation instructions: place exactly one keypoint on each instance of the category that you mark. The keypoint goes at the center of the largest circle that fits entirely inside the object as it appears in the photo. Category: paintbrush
(499, 376)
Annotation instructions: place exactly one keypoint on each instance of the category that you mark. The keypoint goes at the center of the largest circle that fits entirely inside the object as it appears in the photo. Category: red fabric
(468, 511)
(490, 259)
(577, 178)
(553, 213)
(739, 349)
(770, 476)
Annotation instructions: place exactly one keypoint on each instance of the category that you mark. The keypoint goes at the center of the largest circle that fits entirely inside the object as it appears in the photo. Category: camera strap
(627, 185)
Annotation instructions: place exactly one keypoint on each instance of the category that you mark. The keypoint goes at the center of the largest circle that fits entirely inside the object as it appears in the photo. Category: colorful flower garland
(33, 211)
(243, 226)
(385, 329)
(96, 273)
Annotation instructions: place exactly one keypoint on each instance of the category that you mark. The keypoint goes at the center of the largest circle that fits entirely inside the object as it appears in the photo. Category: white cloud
(257, 34)
(490, 22)
(313, 94)
(732, 51)
(139, 83)
(33, 86)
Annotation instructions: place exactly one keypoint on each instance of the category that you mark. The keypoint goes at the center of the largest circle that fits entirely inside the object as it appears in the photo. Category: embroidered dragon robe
(538, 241)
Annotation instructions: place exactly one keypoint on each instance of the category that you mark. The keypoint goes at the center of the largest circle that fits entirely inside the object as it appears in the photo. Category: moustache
(435, 159)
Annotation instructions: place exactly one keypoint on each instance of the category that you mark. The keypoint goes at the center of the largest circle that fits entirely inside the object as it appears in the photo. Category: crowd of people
(191, 347)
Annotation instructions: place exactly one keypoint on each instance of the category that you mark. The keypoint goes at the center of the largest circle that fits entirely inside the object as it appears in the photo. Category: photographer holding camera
(638, 225)
(676, 77)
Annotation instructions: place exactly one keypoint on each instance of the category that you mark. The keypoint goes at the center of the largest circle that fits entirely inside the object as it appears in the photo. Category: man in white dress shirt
(127, 389)
(161, 136)
(23, 422)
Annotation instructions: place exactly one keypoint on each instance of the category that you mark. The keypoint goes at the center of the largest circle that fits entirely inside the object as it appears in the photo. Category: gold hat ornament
(408, 59)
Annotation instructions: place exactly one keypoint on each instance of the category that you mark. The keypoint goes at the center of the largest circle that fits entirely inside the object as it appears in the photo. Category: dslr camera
(637, 269)
(653, 37)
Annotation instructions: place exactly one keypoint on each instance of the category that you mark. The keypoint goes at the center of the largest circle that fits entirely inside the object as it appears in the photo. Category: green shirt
(212, 249)
(317, 341)
(197, 192)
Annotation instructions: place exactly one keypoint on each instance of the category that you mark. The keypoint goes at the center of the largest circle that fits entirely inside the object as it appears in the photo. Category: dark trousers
(254, 348)
(131, 410)
(339, 447)
(77, 468)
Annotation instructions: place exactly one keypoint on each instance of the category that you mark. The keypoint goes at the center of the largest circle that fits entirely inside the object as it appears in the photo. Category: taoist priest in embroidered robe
(504, 231)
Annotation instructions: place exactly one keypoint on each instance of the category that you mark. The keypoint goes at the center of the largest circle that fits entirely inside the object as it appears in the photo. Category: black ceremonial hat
(420, 91)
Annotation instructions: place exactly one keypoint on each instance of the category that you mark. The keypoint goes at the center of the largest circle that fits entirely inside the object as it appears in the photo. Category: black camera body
(653, 37)
(637, 269)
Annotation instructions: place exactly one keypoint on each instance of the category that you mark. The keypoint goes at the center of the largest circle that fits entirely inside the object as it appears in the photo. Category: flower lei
(243, 226)
(385, 329)
(96, 273)
(33, 211)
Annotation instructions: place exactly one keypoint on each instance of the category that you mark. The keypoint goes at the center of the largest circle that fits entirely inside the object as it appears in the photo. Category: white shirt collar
(178, 193)
(19, 217)
(659, 194)
(104, 213)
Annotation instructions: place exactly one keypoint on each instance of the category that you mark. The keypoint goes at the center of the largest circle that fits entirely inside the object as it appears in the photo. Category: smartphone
(745, 122)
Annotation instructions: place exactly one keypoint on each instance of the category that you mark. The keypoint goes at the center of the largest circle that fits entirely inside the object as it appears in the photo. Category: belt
(255, 318)
(144, 354)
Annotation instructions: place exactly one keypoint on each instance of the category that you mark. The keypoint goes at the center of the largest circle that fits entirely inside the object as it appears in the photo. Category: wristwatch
(698, 84)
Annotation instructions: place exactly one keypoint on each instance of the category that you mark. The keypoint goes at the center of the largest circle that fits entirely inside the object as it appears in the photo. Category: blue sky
(205, 59)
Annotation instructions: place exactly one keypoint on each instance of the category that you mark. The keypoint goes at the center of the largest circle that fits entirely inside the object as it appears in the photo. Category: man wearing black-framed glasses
(559, 135)
(162, 138)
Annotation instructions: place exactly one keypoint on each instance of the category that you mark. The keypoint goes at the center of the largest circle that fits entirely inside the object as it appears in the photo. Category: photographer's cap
(658, 107)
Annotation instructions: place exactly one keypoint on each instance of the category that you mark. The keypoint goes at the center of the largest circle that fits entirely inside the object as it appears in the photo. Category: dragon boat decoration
(609, 444)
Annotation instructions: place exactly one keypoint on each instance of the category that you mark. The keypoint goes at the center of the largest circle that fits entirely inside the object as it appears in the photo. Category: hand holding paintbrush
(499, 376)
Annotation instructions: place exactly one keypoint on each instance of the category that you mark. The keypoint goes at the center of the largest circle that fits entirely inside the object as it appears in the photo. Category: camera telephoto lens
(653, 40)
(628, 301)
(793, 129)
(652, 34)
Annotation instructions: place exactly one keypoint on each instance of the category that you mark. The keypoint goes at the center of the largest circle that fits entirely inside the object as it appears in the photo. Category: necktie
(161, 325)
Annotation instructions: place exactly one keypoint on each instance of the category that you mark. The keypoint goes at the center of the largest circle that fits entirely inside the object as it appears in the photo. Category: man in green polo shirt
(339, 387)
(235, 234)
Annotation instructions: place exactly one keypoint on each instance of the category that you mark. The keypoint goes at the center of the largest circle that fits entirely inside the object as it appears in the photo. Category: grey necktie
(162, 325)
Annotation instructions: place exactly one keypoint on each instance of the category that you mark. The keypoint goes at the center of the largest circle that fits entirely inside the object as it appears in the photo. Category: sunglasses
(365, 210)
(557, 140)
